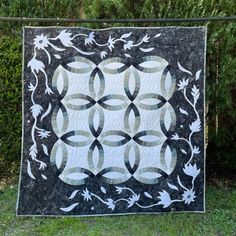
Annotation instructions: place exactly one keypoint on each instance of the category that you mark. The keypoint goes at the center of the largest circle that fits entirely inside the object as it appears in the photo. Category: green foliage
(221, 61)
(221, 81)
(44, 8)
(10, 101)
(219, 219)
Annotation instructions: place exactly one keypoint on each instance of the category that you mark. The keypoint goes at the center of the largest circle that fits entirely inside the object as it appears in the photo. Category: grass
(220, 219)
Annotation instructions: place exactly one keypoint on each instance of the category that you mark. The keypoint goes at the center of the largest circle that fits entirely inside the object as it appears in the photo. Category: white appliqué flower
(175, 137)
(65, 38)
(132, 200)
(33, 151)
(182, 84)
(31, 87)
(36, 110)
(195, 93)
(41, 41)
(165, 199)
(44, 133)
(110, 43)
(36, 65)
(188, 196)
(128, 45)
(110, 203)
(86, 195)
(89, 39)
(103, 54)
(145, 39)
(191, 170)
(195, 126)
(119, 189)
(196, 150)
(42, 165)
(48, 91)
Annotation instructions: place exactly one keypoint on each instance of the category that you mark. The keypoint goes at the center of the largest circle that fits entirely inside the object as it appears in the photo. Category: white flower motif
(36, 65)
(110, 43)
(33, 151)
(132, 200)
(188, 196)
(118, 189)
(191, 170)
(196, 150)
(146, 38)
(89, 39)
(182, 84)
(195, 126)
(128, 45)
(36, 110)
(175, 136)
(31, 87)
(65, 38)
(165, 199)
(44, 133)
(86, 195)
(48, 91)
(42, 165)
(195, 93)
(110, 203)
(103, 54)
(41, 41)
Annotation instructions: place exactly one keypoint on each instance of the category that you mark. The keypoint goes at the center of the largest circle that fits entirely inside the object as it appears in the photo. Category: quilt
(113, 121)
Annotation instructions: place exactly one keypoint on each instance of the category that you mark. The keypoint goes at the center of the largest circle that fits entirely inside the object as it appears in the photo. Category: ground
(219, 219)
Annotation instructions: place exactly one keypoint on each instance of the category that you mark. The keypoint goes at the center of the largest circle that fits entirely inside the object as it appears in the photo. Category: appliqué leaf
(69, 208)
(198, 74)
(146, 49)
(44, 176)
(46, 112)
(57, 48)
(29, 170)
(148, 195)
(180, 183)
(73, 194)
(45, 149)
(173, 187)
(157, 35)
(103, 190)
(183, 151)
(125, 35)
(183, 111)
(127, 55)
(57, 56)
(183, 69)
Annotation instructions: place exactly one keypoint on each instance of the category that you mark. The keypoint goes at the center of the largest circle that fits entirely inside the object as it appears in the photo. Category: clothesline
(155, 20)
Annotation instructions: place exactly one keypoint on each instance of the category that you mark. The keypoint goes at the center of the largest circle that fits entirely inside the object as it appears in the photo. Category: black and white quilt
(113, 121)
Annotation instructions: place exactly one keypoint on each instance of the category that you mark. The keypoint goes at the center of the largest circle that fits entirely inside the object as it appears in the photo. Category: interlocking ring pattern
(112, 120)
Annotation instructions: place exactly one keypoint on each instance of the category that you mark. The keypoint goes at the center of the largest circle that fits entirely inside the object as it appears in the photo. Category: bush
(221, 81)
(10, 103)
